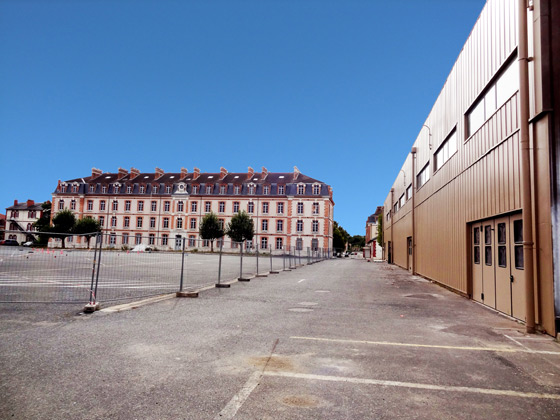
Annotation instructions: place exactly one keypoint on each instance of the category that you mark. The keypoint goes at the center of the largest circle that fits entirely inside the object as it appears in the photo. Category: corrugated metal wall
(482, 179)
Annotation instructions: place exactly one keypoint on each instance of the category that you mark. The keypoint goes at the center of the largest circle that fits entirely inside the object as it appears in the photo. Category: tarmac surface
(340, 339)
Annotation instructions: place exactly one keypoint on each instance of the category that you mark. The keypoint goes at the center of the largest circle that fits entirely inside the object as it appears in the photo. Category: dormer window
(142, 189)
(92, 188)
(236, 190)
(251, 189)
(301, 189)
(74, 188)
(280, 189)
(117, 188)
(316, 189)
(266, 190)
(155, 189)
(195, 189)
(104, 189)
(222, 189)
(168, 189)
(209, 189)
(63, 189)
(129, 189)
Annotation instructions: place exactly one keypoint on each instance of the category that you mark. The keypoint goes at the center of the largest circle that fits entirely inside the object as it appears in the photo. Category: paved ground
(342, 339)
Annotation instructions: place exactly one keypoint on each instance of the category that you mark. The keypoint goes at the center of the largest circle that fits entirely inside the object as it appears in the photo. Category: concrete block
(187, 294)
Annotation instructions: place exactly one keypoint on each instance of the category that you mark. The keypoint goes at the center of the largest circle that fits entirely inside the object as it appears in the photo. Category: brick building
(160, 209)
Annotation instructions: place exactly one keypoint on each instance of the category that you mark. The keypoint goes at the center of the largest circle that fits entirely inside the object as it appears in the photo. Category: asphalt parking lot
(341, 339)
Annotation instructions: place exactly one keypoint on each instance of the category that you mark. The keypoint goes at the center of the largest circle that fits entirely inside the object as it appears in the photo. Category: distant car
(28, 243)
(9, 242)
(347, 254)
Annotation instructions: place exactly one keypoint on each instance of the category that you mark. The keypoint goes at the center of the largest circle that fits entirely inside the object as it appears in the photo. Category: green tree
(210, 229)
(63, 223)
(88, 227)
(357, 242)
(340, 237)
(380, 230)
(43, 224)
(241, 227)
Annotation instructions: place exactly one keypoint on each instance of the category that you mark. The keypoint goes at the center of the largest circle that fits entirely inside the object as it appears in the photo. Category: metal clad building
(465, 204)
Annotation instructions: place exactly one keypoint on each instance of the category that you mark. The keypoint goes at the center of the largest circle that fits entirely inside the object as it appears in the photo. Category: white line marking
(432, 346)
(230, 410)
(499, 392)
(301, 280)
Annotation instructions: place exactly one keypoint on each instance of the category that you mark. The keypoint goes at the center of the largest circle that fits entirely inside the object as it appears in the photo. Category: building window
(280, 189)
(193, 223)
(74, 188)
(126, 221)
(180, 206)
(116, 188)
(409, 192)
(264, 242)
(154, 205)
(102, 220)
(265, 208)
(279, 225)
(206, 243)
(251, 207)
(164, 239)
(195, 189)
(115, 205)
(280, 208)
(112, 239)
(209, 189)
(222, 206)
(179, 223)
(151, 239)
(222, 189)
(90, 205)
(155, 189)
(300, 208)
(192, 240)
(222, 223)
(138, 222)
(152, 222)
(125, 238)
(299, 226)
(114, 221)
(236, 206)
(194, 206)
(166, 205)
(301, 189)
(73, 205)
(279, 243)
(299, 244)
(423, 176)
(518, 240)
(314, 244)
(316, 189)
(138, 239)
(127, 205)
(142, 189)
(264, 225)
(207, 206)
(315, 208)
(236, 190)
(128, 189)
(140, 206)
(266, 190)
(402, 200)
(92, 188)
(315, 226)
(396, 207)
(493, 98)
(251, 189)
(446, 150)
(166, 222)
(103, 189)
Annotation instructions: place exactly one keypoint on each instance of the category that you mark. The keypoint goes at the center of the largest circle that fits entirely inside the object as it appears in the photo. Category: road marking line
(230, 410)
(301, 280)
(432, 346)
(488, 391)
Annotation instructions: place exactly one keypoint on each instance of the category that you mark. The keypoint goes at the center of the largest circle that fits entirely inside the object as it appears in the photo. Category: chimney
(30, 203)
(134, 173)
(196, 173)
(250, 173)
(122, 173)
(296, 172)
(15, 203)
(159, 173)
(184, 173)
(264, 173)
(223, 173)
(96, 172)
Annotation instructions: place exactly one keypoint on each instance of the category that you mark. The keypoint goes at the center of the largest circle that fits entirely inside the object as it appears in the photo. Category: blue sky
(339, 89)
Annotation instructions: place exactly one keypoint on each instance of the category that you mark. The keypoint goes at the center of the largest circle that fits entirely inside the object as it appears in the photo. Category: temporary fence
(103, 267)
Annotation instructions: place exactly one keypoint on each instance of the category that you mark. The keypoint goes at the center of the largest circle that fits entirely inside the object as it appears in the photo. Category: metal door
(178, 242)
(488, 264)
(502, 264)
(409, 253)
(476, 262)
(517, 267)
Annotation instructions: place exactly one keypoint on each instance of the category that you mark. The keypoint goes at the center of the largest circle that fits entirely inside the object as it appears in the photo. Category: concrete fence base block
(243, 279)
(187, 294)
(91, 307)
(273, 272)
(262, 275)
(222, 286)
